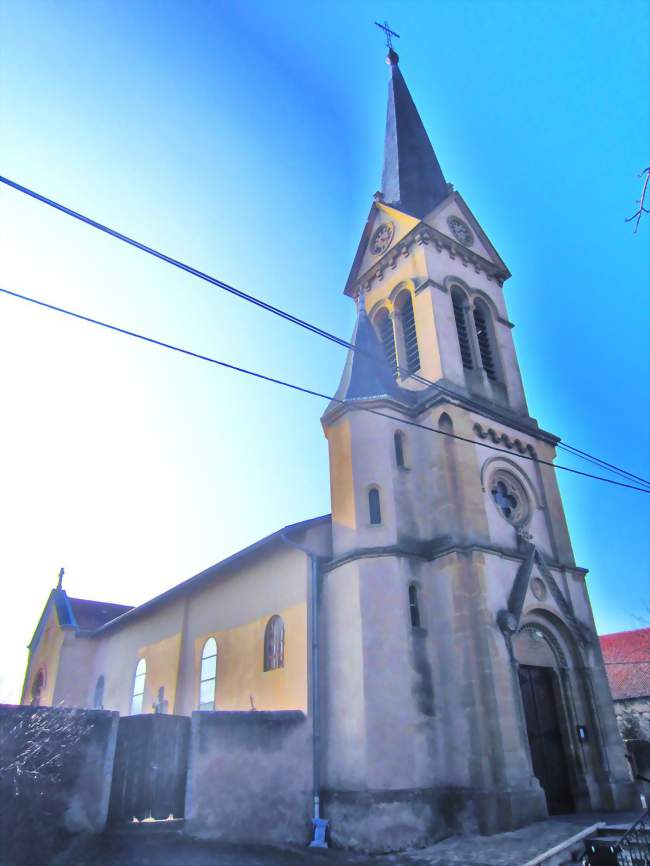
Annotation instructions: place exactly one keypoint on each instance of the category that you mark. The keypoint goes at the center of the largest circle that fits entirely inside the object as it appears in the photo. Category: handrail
(626, 837)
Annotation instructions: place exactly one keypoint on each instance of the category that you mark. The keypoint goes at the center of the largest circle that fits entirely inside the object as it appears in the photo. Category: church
(435, 629)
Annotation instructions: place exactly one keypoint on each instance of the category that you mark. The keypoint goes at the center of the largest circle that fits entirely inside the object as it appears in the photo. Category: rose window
(510, 498)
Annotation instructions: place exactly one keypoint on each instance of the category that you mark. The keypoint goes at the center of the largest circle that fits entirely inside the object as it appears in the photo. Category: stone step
(567, 852)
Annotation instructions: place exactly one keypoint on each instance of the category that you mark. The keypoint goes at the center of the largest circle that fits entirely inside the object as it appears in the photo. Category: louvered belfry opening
(409, 334)
(461, 329)
(387, 337)
(483, 336)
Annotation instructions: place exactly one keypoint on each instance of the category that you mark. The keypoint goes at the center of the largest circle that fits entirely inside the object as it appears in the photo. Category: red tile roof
(627, 662)
(92, 614)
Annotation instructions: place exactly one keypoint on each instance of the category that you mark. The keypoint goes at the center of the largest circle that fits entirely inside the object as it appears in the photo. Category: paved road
(147, 846)
(163, 849)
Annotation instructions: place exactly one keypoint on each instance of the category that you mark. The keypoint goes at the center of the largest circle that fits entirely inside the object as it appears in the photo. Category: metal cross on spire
(388, 33)
(60, 583)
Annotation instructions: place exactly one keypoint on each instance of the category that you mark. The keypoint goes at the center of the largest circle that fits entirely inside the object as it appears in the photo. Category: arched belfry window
(460, 315)
(409, 334)
(387, 336)
(137, 698)
(400, 456)
(208, 677)
(482, 324)
(98, 699)
(274, 644)
(414, 607)
(374, 506)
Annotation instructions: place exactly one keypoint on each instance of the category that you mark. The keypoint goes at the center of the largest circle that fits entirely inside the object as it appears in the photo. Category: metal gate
(150, 768)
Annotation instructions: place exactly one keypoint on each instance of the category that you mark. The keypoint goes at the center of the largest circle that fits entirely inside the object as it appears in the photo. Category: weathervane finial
(389, 34)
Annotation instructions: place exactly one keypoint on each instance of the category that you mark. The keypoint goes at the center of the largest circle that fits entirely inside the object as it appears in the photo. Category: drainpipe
(320, 824)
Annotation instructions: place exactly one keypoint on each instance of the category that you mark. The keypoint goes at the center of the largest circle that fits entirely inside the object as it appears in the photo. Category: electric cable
(273, 309)
(299, 388)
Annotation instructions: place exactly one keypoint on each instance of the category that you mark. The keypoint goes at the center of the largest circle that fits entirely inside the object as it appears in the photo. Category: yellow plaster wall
(240, 673)
(46, 657)
(341, 479)
(156, 637)
(162, 670)
(234, 608)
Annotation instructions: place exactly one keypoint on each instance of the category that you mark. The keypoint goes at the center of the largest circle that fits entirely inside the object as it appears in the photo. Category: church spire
(412, 180)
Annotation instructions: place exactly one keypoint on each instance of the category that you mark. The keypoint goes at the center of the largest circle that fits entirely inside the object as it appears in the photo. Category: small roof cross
(388, 33)
(60, 583)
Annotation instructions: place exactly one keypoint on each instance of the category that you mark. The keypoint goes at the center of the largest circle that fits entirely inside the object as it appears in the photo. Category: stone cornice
(522, 423)
(437, 395)
(437, 548)
(423, 235)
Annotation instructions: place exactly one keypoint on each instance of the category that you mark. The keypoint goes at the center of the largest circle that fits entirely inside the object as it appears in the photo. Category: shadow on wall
(55, 777)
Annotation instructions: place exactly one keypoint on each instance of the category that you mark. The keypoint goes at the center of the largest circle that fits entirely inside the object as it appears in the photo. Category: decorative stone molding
(508, 619)
(550, 639)
(504, 439)
(422, 235)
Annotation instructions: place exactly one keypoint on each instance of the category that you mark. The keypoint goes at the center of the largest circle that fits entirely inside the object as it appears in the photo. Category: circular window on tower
(510, 498)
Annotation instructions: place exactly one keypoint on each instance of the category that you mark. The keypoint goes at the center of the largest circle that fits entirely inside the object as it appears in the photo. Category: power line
(576, 452)
(253, 373)
(277, 311)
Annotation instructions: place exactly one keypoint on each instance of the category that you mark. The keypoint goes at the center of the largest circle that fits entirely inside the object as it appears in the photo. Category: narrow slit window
(414, 607)
(399, 450)
(484, 341)
(98, 701)
(37, 688)
(274, 644)
(387, 337)
(137, 699)
(461, 329)
(208, 681)
(410, 334)
(374, 506)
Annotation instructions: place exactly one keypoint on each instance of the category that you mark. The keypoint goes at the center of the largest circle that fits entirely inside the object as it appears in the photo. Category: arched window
(387, 337)
(409, 334)
(481, 322)
(98, 700)
(208, 680)
(400, 458)
(459, 305)
(414, 607)
(274, 644)
(37, 688)
(138, 687)
(374, 506)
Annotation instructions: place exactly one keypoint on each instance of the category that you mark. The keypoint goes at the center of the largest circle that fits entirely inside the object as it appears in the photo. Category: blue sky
(246, 138)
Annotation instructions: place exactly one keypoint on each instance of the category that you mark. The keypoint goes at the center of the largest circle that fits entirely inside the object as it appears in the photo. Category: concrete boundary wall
(55, 777)
(250, 777)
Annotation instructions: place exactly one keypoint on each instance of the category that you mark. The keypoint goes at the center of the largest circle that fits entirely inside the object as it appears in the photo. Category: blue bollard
(320, 828)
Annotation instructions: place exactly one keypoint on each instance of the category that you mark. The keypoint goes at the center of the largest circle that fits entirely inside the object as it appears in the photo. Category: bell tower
(447, 556)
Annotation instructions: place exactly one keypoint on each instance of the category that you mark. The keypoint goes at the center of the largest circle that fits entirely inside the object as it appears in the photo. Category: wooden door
(150, 767)
(545, 737)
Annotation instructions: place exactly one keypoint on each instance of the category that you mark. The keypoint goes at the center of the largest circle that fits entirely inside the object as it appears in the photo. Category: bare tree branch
(642, 208)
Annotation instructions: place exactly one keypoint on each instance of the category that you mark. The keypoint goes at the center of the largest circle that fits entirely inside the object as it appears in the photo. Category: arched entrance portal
(546, 724)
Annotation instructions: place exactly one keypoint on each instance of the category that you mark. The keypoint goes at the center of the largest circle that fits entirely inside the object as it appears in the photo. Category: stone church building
(435, 628)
